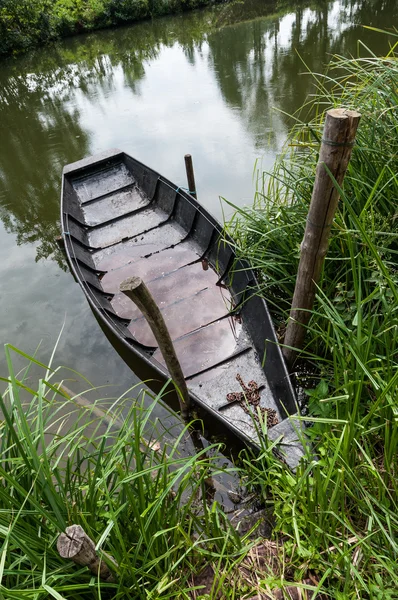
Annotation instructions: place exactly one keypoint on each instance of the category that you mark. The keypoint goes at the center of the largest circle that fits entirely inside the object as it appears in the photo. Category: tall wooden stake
(190, 175)
(335, 153)
(135, 289)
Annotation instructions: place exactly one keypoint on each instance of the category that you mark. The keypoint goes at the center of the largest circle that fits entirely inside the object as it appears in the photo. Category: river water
(214, 83)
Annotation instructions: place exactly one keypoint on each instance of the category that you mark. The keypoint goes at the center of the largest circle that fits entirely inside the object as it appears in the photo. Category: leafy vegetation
(26, 23)
(340, 511)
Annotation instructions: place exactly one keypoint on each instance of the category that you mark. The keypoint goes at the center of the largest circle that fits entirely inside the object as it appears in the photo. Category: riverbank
(339, 513)
(152, 511)
(335, 520)
(28, 23)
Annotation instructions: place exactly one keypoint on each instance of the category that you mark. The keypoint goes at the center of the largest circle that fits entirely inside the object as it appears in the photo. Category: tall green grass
(340, 511)
(108, 469)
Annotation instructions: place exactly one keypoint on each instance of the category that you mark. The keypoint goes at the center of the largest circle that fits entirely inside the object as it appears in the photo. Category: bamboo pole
(135, 289)
(190, 175)
(75, 545)
(335, 153)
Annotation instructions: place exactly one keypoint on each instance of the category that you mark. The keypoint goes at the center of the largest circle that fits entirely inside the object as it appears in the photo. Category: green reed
(99, 466)
(339, 511)
(104, 465)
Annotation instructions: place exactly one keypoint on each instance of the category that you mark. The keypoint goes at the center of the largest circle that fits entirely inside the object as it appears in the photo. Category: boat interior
(122, 219)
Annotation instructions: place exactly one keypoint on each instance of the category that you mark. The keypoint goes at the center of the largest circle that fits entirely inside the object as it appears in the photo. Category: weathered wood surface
(335, 153)
(105, 205)
(190, 175)
(75, 545)
(135, 289)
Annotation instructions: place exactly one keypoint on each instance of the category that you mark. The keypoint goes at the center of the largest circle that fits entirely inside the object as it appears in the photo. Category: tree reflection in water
(256, 66)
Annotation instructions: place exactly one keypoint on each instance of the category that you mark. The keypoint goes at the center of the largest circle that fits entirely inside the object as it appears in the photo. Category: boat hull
(120, 218)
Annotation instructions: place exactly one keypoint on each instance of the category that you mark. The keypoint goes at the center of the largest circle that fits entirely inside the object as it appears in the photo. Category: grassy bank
(340, 514)
(110, 467)
(107, 467)
(99, 465)
(27, 23)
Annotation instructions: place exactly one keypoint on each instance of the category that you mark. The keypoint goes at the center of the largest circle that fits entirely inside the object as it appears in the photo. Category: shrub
(23, 24)
(129, 10)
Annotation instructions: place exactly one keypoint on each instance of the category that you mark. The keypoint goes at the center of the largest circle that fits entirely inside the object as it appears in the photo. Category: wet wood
(206, 347)
(137, 248)
(199, 310)
(160, 264)
(76, 545)
(190, 175)
(164, 242)
(135, 289)
(173, 287)
(335, 153)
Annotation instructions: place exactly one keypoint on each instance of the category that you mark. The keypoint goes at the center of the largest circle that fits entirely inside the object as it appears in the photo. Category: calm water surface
(206, 83)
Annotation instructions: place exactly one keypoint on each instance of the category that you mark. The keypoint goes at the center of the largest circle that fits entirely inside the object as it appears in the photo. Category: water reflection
(205, 83)
(38, 135)
(256, 66)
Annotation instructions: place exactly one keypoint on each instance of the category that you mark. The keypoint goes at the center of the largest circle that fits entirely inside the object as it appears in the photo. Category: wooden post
(335, 152)
(135, 289)
(59, 240)
(75, 545)
(190, 175)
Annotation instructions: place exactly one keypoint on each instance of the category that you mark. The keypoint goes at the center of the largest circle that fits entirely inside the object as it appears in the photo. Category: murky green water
(205, 83)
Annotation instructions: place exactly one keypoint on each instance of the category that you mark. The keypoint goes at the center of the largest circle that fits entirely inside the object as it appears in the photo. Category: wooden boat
(120, 218)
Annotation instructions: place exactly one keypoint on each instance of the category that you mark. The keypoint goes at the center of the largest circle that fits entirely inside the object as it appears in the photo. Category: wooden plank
(336, 148)
(183, 316)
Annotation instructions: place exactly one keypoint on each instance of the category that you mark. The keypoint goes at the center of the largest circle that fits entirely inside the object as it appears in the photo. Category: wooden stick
(335, 152)
(135, 289)
(190, 175)
(59, 240)
(75, 545)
